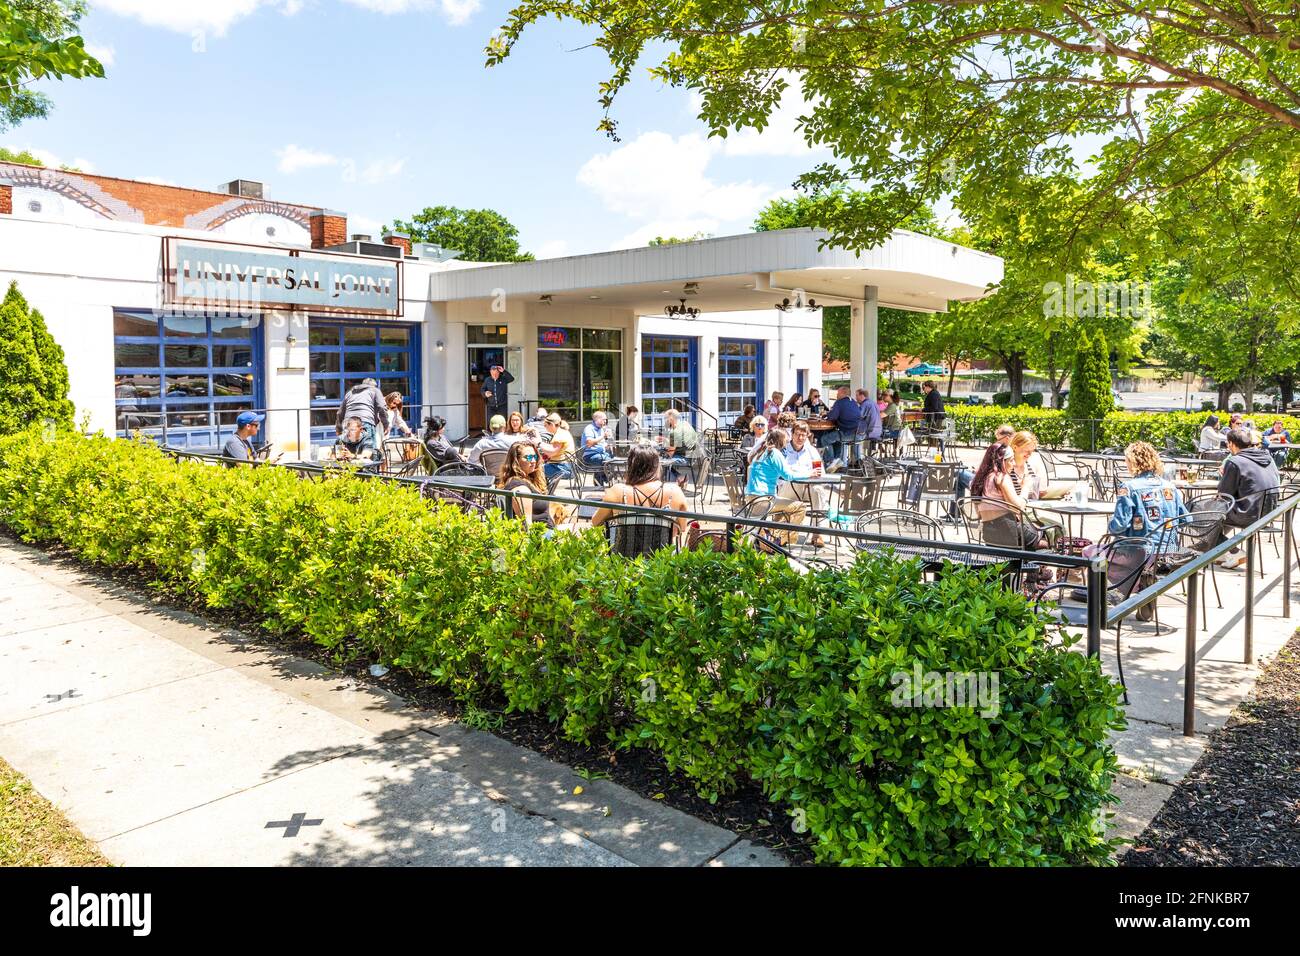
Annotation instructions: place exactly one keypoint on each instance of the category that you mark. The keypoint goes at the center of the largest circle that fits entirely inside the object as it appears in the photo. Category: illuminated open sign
(552, 337)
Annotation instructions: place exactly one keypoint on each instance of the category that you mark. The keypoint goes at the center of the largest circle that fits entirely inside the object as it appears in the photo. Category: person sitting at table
(644, 488)
(741, 424)
(522, 471)
(932, 409)
(772, 407)
(355, 443)
(1278, 442)
(516, 430)
(1211, 438)
(1148, 505)
(752, 443)
(965, 476)
(680, 444)
(239, 446)
(793, 405)
(804, 461)
(1248, 475)
(536, 425)
(495, 440)
(628, 426)
(557, 448)
(815, 407)
(999, 481)
(442, 451)
(892, 424)
(785, 421)
(595, 445)
(770, 475)
(845, 415)
(397, 427)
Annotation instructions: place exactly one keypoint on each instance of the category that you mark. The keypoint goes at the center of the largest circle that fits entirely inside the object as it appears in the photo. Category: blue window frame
(183, 377)
(740, 377)
(668, 371)
(342, 354)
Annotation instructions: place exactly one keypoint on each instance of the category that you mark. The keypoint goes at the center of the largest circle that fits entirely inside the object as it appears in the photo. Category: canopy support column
(863, 349)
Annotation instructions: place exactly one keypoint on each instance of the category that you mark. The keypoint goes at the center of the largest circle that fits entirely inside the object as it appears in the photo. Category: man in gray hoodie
(1249, 474)
(365, 402)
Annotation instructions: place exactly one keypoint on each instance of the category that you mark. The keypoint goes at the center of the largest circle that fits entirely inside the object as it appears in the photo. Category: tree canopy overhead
(921, 98)
(479, 235)
(38, 41)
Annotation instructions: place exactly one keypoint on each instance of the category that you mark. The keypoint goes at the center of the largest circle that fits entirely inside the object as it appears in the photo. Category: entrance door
(740, 377)
(481, 360)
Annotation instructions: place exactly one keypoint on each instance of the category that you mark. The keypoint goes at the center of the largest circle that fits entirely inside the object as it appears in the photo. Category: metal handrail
(1190, 572)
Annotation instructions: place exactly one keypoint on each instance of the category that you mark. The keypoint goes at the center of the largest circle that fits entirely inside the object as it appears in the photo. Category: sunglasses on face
(528, 457)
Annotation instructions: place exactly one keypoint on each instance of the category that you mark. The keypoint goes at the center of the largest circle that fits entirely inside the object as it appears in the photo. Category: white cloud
(104, 54)
(83, 164)
(294, 158)
(378, 170)
(54, 161)
(157, 180)
(365, 225)
(193, 16)
(552, 249)
(454, 12)
(664, 180)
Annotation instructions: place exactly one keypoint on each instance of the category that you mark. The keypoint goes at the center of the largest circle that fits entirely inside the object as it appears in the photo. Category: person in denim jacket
(1146, 504)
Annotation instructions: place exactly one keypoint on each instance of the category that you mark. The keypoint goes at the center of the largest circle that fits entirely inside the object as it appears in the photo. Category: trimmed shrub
(732, 666)
(1090, 398)
(1028, 399)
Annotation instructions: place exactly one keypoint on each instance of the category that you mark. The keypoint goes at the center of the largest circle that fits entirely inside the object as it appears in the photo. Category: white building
(178, 308)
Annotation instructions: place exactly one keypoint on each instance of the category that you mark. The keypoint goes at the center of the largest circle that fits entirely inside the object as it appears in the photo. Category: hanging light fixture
(682, 311)
(785, 305)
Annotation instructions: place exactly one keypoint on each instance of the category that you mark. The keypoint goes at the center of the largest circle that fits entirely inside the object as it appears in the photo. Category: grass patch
(34, 833)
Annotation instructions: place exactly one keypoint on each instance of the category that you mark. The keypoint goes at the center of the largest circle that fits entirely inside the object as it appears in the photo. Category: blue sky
(381, 107)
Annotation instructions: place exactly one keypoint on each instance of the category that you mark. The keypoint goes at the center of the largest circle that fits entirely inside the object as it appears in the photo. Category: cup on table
(817, 469)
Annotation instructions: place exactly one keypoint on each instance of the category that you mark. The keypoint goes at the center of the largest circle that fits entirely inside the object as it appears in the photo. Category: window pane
(602, 338)
(186, 385)
(324, 361)
(323, 389)
(185, 326)
(394, 335)
(557, 381)
(392, 361)
(358, 361)
(130, 388)
(232, 356)
(129, 419)
(358, 335)
(234, 328)
(323, 335)
(230, 384)
(135, 356)
(124, 323)
(486, 335)
(322, 416)
(188, 415)
(402, 385)
(185, 356)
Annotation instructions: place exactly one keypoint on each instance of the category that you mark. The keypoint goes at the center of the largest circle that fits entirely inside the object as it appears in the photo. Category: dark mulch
(1240, 805)
(746, 812)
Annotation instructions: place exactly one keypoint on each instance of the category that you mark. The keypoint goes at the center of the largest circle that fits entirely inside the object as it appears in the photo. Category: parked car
(927, 368)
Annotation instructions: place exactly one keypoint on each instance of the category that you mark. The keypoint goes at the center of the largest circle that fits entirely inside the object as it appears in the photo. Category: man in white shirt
(803, 458)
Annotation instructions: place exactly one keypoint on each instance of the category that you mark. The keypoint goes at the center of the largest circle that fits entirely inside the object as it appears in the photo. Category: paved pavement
(170, 741)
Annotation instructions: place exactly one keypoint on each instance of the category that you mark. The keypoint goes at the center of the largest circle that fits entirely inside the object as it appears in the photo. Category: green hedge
(731, 666)
(975, 425)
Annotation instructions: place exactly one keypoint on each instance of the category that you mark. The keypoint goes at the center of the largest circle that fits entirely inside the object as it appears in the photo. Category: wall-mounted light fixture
(441, 346)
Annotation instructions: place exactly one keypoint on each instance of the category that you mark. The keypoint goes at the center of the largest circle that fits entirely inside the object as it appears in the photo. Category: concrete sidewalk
(172, 742)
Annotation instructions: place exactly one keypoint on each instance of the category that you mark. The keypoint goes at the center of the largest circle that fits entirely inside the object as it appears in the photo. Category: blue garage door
(345, 353)
(668, 372)
(182, 378)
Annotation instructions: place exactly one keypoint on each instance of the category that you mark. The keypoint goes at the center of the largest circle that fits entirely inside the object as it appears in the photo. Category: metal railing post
(1096, 575)
(1189, 665)
(1288, 542)
(1249, 610)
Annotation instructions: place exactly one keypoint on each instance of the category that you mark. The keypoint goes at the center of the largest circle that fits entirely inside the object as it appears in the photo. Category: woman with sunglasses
(522, 471)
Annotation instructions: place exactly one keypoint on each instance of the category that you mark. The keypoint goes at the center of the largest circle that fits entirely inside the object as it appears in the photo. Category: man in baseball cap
(495, 440)
(239, 446)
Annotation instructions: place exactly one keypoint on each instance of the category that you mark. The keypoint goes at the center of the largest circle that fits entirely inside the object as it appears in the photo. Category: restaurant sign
(214, 276)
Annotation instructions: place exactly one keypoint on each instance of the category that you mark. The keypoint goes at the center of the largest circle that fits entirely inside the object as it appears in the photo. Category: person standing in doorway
(496, 396)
